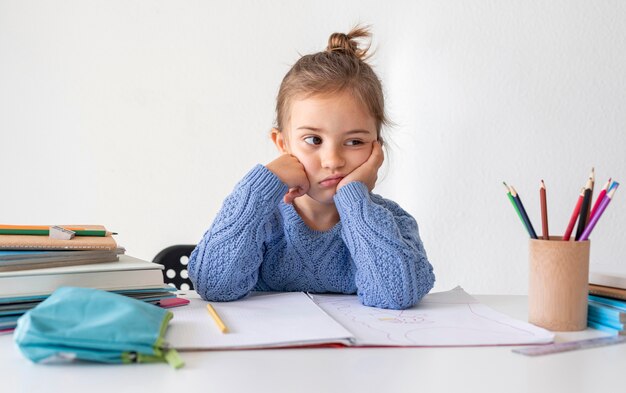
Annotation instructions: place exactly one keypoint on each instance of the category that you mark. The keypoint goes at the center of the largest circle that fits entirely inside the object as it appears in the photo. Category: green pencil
(508, 194)
(46, 232)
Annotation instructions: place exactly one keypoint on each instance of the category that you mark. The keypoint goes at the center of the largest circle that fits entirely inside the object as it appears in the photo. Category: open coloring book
(287, 319)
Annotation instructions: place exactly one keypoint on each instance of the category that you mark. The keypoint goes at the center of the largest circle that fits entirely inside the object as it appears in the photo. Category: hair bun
(348, 43)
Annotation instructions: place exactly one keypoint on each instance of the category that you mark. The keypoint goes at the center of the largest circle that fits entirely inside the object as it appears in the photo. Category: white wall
(142, 115)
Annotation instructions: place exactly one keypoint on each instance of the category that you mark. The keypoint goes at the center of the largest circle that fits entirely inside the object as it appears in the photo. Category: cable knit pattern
(257, 242)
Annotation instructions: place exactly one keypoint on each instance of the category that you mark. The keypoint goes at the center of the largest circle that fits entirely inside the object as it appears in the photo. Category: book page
(261, 320)
(608, 279)
(451, 318)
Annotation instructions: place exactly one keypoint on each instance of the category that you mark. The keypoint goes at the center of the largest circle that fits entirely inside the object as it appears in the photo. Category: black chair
(175, 259)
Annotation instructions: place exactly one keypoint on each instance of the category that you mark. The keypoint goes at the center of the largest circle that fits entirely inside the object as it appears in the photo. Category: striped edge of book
(612, 285)
(610, 292)
(607, 302)
(22, 290)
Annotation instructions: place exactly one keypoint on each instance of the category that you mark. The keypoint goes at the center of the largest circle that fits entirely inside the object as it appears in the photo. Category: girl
(308, 220)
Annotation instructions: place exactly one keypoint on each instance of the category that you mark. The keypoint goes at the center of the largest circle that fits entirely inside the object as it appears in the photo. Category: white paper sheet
(451, 318)
(258, 321)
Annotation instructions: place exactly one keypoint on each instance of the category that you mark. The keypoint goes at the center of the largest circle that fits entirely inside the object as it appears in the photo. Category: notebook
(601, 290)
(608, 279)
(127, 273)
(294, 319)
(27, 260)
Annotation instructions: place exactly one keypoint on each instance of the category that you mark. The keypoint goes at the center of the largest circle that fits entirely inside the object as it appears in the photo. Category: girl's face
(331, 135)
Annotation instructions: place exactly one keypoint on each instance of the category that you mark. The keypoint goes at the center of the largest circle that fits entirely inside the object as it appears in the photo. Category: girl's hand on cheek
(367, 173)
(291, 172)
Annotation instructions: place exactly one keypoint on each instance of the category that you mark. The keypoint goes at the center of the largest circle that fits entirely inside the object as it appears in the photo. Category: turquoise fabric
(94, 325)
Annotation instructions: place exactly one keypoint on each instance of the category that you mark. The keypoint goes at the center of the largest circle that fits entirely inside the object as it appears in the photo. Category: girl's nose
(332, 158)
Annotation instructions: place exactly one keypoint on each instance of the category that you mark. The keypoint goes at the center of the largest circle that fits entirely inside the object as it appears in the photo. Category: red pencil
(572, 220)
(600, 197)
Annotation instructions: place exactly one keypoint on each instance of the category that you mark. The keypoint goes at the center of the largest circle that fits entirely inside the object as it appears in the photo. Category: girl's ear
(279, 140)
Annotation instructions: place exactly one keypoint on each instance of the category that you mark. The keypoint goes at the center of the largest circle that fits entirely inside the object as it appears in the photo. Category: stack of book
(33, 265)
(607, 302)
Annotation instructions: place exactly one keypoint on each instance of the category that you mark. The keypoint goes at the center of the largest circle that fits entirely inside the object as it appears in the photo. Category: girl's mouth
(331, 181)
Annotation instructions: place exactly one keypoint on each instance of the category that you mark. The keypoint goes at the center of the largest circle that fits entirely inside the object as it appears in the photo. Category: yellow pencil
(217, 319)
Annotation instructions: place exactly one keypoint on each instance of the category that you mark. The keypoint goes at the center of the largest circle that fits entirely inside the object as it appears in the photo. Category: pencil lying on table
(218, 321)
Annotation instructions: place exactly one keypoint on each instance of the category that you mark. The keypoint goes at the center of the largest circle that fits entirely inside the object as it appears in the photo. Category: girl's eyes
(354, 142)
(313, 140)
(316, 140)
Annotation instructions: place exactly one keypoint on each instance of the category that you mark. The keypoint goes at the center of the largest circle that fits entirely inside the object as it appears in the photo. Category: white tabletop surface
(320, 370)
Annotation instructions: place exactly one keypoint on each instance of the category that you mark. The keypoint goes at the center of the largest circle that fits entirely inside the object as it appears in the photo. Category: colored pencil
(600, 197)
(508, 194)
(594, 220)
(582, 219)
(218, 321)
(592, 176)
(572, 220)
(544, 211)
(520, 206)
(42, 230)
(613, 185)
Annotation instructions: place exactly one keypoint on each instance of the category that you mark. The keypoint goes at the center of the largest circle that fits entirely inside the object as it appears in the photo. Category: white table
(344, 370)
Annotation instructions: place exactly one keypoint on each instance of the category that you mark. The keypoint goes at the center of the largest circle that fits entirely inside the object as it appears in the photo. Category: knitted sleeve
(225, 264)
(392, 268)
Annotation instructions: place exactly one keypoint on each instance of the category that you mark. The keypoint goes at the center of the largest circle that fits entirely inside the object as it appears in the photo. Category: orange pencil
(544, 211)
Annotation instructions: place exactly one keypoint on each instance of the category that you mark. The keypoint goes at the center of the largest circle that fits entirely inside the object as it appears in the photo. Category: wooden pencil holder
(558, 284)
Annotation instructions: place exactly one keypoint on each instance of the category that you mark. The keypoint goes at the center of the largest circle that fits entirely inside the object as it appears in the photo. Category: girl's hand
(291, 172)
(367, 173)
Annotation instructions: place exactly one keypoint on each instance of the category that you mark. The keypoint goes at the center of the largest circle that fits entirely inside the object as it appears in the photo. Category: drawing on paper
(453, 320)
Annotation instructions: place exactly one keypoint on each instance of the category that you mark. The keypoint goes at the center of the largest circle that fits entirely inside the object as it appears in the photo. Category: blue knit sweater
(257, 242)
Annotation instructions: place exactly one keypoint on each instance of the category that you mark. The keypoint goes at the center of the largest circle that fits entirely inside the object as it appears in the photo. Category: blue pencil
(520, 206)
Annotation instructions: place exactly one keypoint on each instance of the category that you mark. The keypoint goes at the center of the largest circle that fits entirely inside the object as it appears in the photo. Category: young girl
(308, 220)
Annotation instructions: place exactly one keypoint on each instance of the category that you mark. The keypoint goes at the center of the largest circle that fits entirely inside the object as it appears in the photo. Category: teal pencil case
(95, 325)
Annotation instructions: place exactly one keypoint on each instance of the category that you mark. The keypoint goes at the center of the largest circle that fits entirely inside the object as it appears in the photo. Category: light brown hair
(341, 67)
